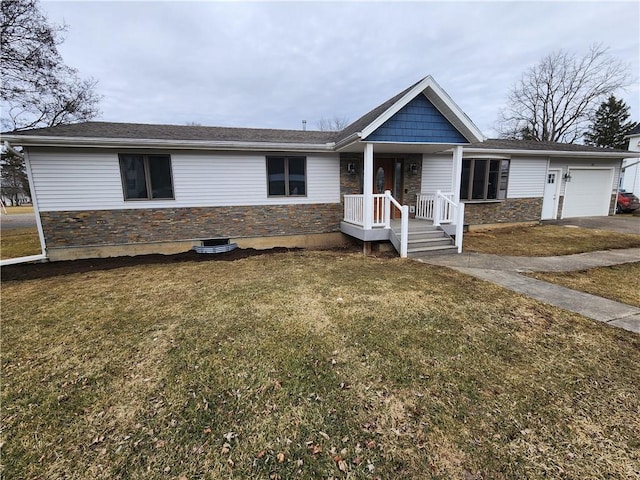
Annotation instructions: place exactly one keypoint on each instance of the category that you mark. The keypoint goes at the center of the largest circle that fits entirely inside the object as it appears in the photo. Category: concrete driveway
(625, 223)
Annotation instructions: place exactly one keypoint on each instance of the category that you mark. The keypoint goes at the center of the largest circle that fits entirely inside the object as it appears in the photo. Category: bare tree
(556, 99)
(38, 89)
(334, 124)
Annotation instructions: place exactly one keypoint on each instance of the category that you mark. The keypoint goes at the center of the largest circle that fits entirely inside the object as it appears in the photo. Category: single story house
(412, 169)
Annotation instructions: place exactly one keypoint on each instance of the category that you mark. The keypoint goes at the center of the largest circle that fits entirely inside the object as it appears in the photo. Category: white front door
(551, 195)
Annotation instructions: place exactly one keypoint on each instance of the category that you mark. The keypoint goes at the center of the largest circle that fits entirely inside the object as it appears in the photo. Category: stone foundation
(511, 210)
(168, 225)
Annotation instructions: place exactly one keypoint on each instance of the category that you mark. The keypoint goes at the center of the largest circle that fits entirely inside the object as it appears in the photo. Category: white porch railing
(381, 210)
(354, 209)
(427, 209)
(440, 208)
(382, 203)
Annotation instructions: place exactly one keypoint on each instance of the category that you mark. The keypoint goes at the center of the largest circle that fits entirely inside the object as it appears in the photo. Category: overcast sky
(272, 65)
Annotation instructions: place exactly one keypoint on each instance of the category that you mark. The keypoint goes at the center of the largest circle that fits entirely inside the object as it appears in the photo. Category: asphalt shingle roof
(110, 130)
(503, 144)
(179, 132)
(361, 123)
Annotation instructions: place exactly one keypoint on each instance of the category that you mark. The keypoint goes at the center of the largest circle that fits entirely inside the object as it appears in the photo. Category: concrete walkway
(505, 271)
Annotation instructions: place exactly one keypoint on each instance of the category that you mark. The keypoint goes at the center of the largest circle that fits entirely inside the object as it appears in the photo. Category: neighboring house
(104, 189)
(630, 177)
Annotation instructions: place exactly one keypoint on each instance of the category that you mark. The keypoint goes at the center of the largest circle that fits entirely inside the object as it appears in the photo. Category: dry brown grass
(546, 240)
(19, 242)
(309, 365)
(620, 283)
(17, 210)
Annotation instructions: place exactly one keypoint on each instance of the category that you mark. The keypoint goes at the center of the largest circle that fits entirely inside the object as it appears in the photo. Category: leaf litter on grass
(254, 369)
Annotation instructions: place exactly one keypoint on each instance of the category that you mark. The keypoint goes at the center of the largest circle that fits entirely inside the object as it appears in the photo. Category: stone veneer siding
(412, 184)
(131, 226)
(511, 210)
(351, 183)
(612, 204)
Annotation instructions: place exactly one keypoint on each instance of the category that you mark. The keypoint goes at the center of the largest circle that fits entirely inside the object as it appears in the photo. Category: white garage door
(588, 194)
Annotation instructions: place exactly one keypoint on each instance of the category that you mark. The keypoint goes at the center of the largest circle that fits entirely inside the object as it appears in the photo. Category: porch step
(419, 229)
(425, 240)
(415, 244)
(414, 236)
(429, 251)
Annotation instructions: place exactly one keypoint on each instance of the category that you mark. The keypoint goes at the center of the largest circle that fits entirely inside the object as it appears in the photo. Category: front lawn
(19, 242)
(308, 365)
(22, 209)
(620, 283)
(546, 240)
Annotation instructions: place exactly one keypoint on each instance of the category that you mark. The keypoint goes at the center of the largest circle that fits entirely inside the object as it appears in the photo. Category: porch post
(367, 187)
(457, 172)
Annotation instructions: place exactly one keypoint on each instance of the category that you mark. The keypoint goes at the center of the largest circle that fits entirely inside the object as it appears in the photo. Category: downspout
(9, 147)
(34, 200)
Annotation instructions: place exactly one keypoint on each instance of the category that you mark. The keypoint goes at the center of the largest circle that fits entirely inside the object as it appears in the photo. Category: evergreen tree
(610, 125)
(14, 183)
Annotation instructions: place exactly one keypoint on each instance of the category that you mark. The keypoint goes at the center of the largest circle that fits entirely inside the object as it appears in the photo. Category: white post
(460, 227)
(404, 232)
(457, 173)
(387, 209)
(437, 207)
(367, 186)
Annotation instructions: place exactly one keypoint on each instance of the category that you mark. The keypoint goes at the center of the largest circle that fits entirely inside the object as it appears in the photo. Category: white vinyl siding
(85, 180)
(527, 177)
(76, 182)
(437, 173)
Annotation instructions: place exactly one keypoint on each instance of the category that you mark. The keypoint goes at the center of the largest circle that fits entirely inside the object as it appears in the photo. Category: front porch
(419, 124)
(436, 228)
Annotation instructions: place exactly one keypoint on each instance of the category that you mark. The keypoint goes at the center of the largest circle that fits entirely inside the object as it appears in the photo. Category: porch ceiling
(391, 147)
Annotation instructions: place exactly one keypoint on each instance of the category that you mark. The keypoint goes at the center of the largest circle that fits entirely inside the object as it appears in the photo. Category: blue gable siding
(419, 122)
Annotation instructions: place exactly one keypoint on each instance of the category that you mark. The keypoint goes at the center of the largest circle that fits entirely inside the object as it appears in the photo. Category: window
(146, 177)
(286, 176)
(484, 179)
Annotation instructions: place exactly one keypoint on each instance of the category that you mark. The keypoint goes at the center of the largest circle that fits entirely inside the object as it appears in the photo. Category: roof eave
(551, 153)
(345, 142)
(51, 141)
